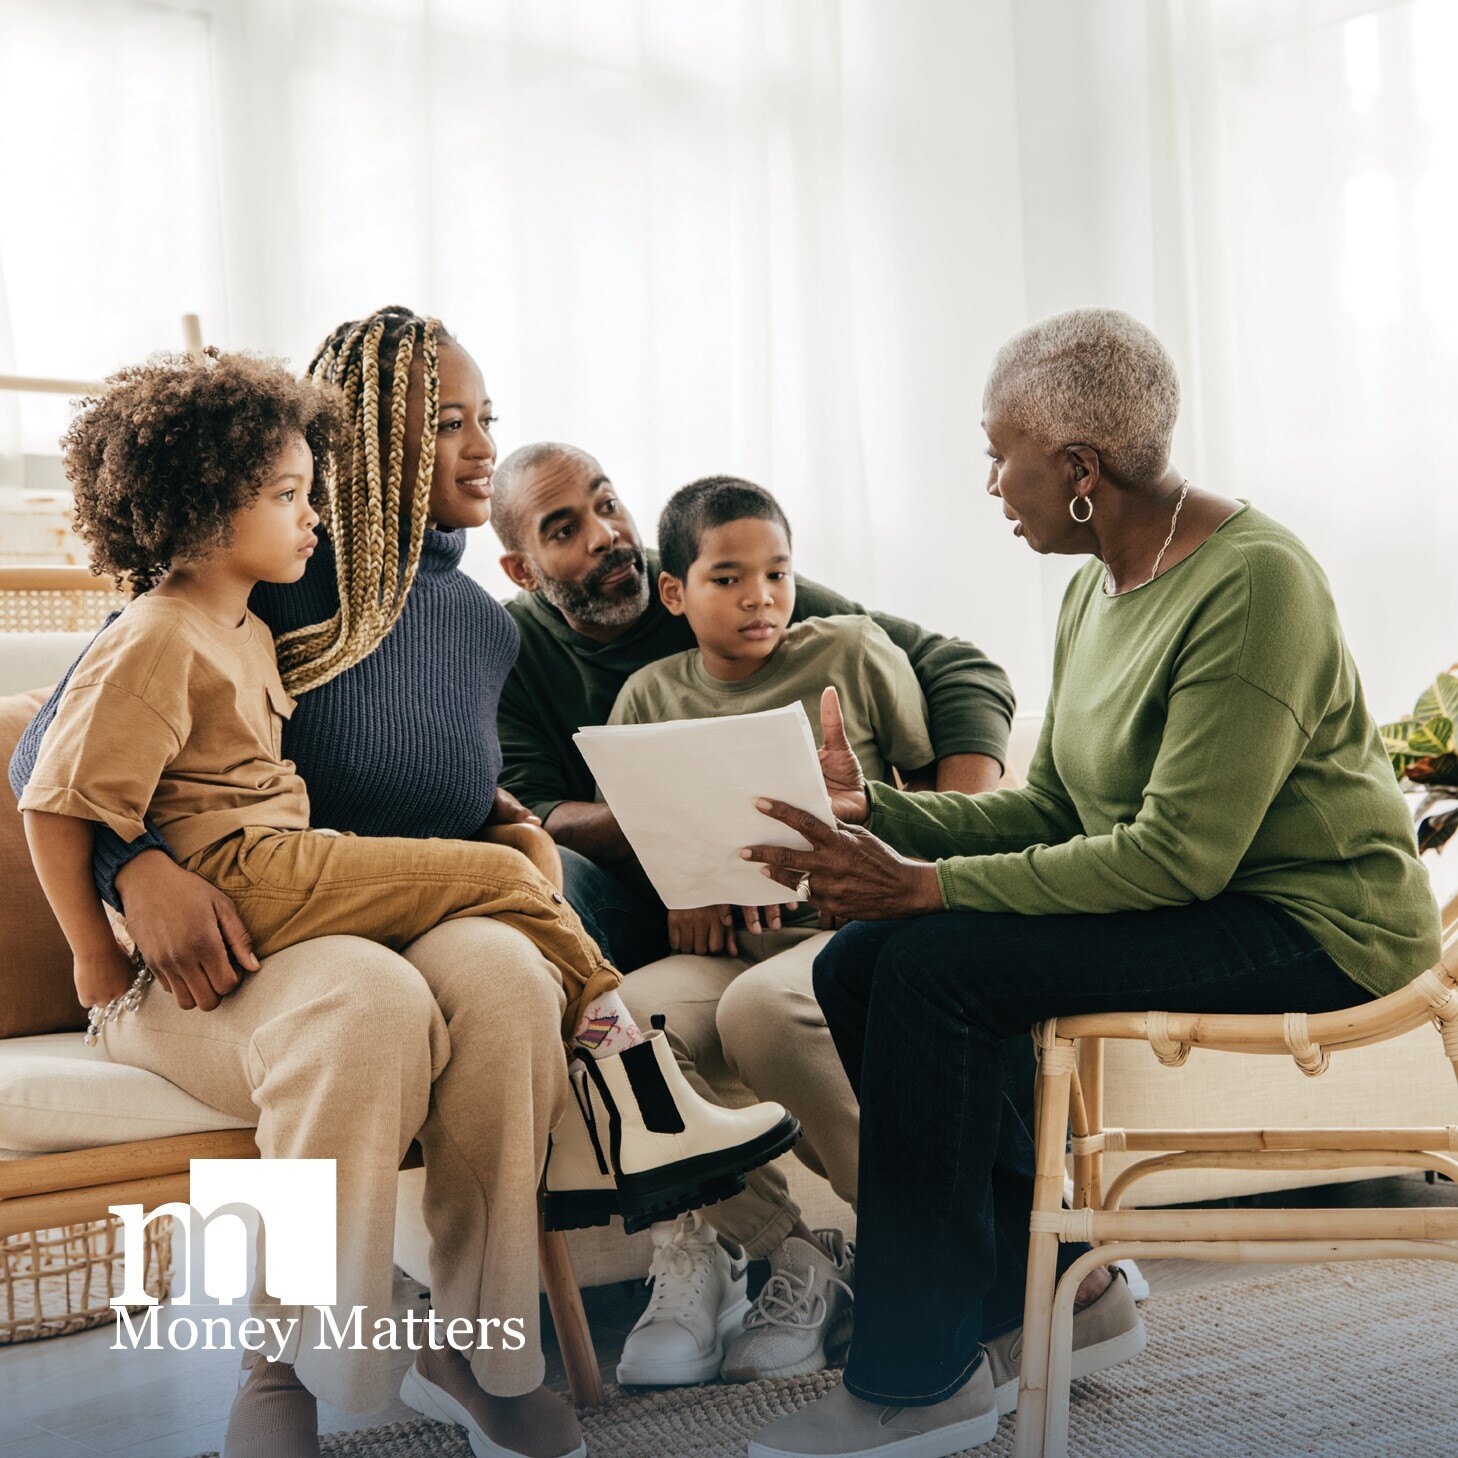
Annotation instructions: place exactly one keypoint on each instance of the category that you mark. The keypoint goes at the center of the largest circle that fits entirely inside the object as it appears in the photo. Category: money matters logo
(285, 1210)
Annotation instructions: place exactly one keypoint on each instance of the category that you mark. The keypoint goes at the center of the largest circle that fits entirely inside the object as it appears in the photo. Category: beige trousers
(340, 1049)
(746, 1028)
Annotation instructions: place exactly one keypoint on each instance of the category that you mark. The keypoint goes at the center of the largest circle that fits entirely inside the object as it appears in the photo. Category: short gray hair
(507, 477)
(1094, 377)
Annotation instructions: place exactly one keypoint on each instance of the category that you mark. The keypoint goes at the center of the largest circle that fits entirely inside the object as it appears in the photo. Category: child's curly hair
(172, 448)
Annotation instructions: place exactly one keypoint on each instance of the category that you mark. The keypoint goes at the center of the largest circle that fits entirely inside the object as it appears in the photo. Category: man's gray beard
(573, 600)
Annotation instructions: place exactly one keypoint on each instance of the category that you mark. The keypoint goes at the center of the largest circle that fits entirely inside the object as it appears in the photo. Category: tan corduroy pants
(749, 1027)
(293, 885)
(340, 1049)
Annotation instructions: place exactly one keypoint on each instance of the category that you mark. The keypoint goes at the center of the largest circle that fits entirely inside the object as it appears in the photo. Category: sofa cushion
(37, 994)
(27, 659)
(56, 1094)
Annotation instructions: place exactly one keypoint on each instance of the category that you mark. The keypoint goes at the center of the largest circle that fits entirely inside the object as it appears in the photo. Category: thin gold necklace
(1174, 521)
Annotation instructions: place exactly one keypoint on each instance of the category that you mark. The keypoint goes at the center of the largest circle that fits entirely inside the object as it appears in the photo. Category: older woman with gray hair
(1209, 824)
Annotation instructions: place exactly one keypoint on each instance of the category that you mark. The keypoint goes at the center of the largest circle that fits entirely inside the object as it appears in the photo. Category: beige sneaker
(539, 1424)
(802, 1317)
(840, 1425)
(1106, 1332)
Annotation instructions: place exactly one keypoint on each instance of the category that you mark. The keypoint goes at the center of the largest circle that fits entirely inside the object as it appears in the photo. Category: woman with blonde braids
(338, 1048)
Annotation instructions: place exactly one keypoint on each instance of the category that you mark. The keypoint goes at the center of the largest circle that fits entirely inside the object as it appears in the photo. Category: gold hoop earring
(1087, 501)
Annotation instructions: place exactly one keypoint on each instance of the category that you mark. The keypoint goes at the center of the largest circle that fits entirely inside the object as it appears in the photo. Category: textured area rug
(1345, 1361)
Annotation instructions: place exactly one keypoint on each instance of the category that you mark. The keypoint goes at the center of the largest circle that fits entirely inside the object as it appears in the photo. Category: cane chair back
(54, 600)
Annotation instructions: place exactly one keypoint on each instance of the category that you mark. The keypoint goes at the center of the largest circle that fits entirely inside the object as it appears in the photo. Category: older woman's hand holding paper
(847, 873)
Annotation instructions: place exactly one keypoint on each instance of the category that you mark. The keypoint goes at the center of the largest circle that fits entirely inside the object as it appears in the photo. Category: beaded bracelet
(128, 1001)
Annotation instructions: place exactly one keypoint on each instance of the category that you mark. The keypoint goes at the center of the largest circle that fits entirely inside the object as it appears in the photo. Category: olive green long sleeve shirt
(1206, 733)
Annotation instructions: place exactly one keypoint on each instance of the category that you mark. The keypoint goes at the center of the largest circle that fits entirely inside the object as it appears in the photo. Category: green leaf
(1434, 737)
(1394, 735)
(1439, 700)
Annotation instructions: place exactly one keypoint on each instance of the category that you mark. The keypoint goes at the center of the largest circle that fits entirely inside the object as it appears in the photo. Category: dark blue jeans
(626, 920)
(920, 1011)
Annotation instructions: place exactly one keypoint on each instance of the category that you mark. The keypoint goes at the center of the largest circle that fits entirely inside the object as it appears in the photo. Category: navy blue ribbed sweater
(404, 743)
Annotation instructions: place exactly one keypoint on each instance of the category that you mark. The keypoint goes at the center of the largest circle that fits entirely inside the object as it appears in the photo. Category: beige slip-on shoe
(841, 1425)
(1106, 1332)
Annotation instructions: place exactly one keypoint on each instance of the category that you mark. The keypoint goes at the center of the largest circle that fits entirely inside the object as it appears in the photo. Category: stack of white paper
(684, 792)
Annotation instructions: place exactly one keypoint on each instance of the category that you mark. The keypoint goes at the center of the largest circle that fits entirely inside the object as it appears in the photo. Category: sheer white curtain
(783, 238)
(1272, 187)
(11, 459)
(775, 237)
(1326, 207)
(109, 224)
(691, 237)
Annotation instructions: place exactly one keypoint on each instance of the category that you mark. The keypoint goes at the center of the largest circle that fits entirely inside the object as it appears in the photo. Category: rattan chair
(1070, 1089)
(54, 600)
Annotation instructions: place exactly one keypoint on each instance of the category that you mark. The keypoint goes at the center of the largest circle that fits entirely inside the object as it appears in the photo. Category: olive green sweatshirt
(563, 680)
(1206, 733)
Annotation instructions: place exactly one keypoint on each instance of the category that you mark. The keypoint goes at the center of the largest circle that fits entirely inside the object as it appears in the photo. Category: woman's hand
(839, 765)
(506, 809)
(706, 931)
(759, 919)
(103, 975)
(187, 931)
(853, 875)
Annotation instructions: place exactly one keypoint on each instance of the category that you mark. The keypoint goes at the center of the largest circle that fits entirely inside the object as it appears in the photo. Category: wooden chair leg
(564, 1300)
(1055, 1085)
(1088, 1170)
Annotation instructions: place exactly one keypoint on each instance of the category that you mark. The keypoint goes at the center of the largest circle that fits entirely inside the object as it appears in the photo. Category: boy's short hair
(712, 501)
(172, 448)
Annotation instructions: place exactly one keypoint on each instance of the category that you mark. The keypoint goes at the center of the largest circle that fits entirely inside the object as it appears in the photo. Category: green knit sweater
(1205, 733)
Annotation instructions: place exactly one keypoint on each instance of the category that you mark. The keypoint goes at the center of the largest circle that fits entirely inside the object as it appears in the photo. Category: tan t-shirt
(880, 698)
(174, 717)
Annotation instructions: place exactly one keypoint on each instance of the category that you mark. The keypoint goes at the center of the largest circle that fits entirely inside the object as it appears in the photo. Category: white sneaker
(803, 1314)
(698, 1303)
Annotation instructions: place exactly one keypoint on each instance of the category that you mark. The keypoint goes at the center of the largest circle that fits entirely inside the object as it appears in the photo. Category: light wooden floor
(73, 1397)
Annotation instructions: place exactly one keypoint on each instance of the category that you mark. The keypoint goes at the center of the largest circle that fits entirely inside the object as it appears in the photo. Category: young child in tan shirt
(175, 712)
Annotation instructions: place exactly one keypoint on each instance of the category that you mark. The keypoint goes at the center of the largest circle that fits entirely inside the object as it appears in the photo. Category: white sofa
(55, 1095)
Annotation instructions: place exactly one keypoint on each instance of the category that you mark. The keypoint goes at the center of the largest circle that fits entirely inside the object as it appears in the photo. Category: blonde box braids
(363, 489)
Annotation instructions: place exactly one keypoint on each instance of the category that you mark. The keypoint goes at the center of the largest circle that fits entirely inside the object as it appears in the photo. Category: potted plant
(1424, 752)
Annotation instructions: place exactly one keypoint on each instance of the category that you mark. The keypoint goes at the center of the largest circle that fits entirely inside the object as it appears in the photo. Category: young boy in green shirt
(724, 545)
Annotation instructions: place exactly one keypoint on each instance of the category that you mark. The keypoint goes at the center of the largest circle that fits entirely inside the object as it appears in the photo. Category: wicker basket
(54, 1282)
